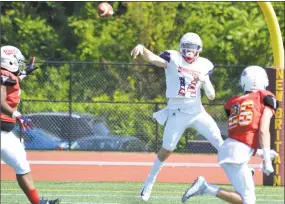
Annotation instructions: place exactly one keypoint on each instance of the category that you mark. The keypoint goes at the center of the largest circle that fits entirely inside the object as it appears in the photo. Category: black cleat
(56, 201)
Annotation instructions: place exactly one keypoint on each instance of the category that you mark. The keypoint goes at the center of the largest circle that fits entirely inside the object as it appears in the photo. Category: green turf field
(122, 193)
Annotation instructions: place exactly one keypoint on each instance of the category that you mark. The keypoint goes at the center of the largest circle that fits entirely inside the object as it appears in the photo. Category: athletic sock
(33, 196)
(157, 165)
(211, 189)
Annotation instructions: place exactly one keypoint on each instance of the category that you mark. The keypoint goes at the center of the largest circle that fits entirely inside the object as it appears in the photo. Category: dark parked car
(38, 139)
(110, 143)
(70, 126)
(85, 132)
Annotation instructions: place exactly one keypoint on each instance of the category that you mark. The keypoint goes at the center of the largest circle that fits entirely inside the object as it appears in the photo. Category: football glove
(267, 167)
(23, 121)
(267, 163)
(30, 68)
(273, 153)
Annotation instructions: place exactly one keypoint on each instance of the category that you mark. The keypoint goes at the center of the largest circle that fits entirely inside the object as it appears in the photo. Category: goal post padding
(276, 86)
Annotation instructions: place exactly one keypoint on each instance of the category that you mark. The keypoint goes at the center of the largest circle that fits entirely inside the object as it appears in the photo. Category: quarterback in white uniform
(186, 73)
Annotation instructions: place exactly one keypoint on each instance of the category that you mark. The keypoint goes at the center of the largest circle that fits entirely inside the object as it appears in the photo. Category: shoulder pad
(208, 66)
(165, 55)
(7, 81)
(169, 54)
(9, 74)
(271, 102)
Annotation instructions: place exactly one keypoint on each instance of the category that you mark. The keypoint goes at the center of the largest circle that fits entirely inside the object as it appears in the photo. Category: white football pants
(241, 178)
(178, 122)
(13, 153)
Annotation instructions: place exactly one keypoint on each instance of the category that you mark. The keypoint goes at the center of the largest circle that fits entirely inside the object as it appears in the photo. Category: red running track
(110, 166)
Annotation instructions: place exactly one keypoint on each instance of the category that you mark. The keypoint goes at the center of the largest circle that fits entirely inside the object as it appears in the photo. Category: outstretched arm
(31, 67)
(148, 56)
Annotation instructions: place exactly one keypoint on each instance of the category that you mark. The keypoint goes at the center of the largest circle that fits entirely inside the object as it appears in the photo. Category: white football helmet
(254, 78)
(190, 46)
(11, 59)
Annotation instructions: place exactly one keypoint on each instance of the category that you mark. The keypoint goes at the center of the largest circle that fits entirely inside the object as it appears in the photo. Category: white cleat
(146, 190)
(197, 188)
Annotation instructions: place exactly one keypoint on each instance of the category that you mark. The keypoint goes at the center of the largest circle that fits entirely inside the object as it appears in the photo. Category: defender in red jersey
(248, 125)
(244, 114)
(12, 150)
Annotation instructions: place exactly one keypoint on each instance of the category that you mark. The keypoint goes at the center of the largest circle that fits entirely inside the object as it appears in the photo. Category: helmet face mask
(12, 59)
(253, 78)
(190, 50)
(190, 46)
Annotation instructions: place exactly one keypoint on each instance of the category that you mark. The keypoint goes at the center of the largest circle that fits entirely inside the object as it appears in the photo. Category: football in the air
(105, 9)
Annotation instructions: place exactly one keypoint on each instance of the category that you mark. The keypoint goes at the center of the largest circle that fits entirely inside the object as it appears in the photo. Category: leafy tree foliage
(233, 33)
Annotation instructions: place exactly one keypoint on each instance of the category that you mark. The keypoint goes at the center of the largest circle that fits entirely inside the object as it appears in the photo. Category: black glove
(31, 67)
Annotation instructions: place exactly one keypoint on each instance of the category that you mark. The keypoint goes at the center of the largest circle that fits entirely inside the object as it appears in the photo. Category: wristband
(16, 114)
(266, 154)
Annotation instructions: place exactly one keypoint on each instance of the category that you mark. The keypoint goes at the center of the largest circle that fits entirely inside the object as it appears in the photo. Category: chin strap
(190, 59)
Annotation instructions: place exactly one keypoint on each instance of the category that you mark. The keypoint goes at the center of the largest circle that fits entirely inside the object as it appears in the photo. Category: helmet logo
(10, 51)
(243, 73)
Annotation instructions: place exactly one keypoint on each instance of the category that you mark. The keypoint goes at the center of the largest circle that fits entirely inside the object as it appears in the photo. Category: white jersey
(183, 92)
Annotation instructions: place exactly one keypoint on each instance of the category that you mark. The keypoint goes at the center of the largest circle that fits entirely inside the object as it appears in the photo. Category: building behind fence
(109, 106)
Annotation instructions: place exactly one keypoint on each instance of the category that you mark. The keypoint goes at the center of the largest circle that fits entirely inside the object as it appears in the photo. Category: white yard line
(130, 196)
(111, 163)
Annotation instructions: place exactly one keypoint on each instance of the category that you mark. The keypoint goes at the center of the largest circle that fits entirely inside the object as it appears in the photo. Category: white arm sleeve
(209, 89)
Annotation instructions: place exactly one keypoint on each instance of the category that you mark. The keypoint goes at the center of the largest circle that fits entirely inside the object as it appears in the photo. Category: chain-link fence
(109, 106)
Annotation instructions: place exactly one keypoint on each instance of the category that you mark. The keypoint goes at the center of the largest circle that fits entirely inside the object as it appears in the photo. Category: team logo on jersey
(234, 110)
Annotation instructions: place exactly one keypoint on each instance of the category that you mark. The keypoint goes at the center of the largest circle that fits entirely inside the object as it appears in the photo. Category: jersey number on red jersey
(241, 114)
